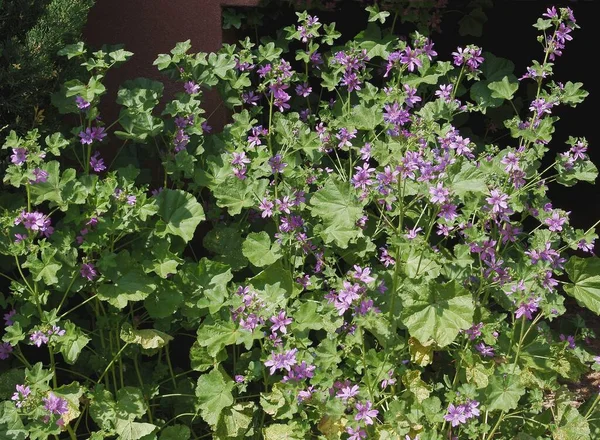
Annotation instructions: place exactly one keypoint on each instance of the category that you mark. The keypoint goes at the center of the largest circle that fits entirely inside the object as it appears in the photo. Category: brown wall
(150, 27)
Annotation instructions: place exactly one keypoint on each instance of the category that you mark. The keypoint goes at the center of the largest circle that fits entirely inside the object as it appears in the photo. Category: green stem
(171, 366)
(53, 367)
(77, 306)
(491, 433)
(141, 381)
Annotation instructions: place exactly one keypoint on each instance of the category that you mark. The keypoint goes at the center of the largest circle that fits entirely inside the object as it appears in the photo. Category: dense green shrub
(31, 33)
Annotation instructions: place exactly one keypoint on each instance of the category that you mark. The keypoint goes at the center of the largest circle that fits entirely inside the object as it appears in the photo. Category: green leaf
(572, 94)
(259, 250)
(235, 421)
(469, 179)
(73, 50)
(220, 334)
(175, 432)
(366, 118)
(45, 268)
(472, 24)
(503, 393)
(437, 311)
(214, 395)
(164, 301)
(221, 64)
(307, 317)
(130, 403)
(504, 89)
(226, 242)
(235, 194)
(149, 339)
(338, 207)
(289, 431)
(130, 430)
(71, 344)
(585, 275)
(375, 14)
(572, 425)
(180, 213)
(133, 285)
(11, 425)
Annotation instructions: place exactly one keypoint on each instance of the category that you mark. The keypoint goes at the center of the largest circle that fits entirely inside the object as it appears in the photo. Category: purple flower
(191, 88)
(82, 104)
(239, 378)
(20, 396)
(35, 221)
(39, 176)
(498, 201)
(444, 92)
(471, 410)
(250, 98)
(276, 163)
(570, 339)
(344, 136)
(98, 133)
(5, 350)
(365, 412)
(439, 194)
(55, 405)
(555, 222)
(356, 434)
(88, 271)
(485, 350)
(281, 361)
(456, 415)
(346, 392)
(266, 207)
(363, 275)
(86, 136)
(410, 58)
(280, 322)
(528, 308)
(38, 338)
(19, 156)
(303, 90)
(131, 200)
(97, 163)
(56, 330)
(585, 246)
(8, 317)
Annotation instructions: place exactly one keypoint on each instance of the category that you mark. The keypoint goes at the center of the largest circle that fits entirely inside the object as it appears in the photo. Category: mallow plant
(367, 250)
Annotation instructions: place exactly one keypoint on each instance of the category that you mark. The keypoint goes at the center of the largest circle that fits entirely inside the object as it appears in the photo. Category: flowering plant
(352, 257)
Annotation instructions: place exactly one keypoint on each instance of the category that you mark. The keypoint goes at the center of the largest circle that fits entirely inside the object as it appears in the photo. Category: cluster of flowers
(352, 294)
(40, 337)
(458, 415)
(34, 222)
(53, 404)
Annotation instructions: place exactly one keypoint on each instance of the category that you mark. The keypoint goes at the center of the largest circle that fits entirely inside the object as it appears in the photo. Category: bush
(32, 32)
(353, 256)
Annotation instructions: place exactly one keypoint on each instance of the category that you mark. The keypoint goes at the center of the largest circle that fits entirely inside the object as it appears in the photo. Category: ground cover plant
(367, 251)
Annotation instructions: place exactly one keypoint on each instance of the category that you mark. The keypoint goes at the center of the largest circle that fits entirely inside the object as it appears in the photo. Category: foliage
(342, 261)
(32, 32)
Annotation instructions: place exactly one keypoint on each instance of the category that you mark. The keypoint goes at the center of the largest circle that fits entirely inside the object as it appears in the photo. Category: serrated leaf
(180, 213)
(437, 311)
(175, 432)
(130, 430)
(338, 207)
(259, 250)
(503, 393)
(504, 89)
(585, 275)
(148, 339)
(214, 395)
